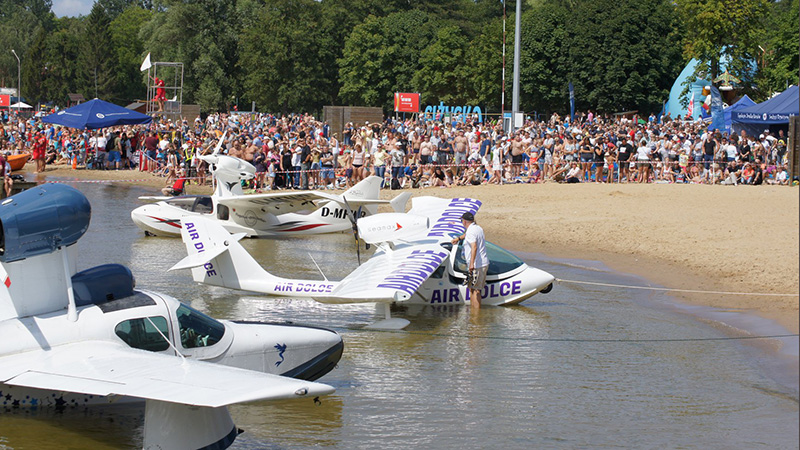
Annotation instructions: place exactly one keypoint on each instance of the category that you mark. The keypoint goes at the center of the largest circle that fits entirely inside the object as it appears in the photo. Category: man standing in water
(475, 255)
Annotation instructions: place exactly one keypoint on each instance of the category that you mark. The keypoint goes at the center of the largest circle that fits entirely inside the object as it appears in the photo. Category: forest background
(299, 55)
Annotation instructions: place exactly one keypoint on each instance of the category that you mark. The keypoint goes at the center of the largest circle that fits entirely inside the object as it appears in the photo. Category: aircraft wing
(276, 202)
(106, 368)
(444, 215)
(154, 198)
(390, 275)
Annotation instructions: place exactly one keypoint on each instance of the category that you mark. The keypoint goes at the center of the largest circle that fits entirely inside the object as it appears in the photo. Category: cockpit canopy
(194, 203)
(501, 261)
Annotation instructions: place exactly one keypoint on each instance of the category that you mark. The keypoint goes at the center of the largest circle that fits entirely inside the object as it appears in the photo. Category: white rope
(692, 291)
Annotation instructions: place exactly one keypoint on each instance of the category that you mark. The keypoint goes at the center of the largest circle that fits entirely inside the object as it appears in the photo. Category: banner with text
(405, 102)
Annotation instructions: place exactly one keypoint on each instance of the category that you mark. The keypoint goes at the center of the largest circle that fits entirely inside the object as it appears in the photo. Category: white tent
(20, 105)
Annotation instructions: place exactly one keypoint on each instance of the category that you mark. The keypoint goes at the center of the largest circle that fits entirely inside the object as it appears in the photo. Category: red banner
(405, 102)
(5, 101)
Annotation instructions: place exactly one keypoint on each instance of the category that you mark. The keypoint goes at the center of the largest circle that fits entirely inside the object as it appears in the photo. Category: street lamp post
(19, 82)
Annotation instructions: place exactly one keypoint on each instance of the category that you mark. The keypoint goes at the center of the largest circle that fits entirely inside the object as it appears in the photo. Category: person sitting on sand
(575, 172)
(177, 187)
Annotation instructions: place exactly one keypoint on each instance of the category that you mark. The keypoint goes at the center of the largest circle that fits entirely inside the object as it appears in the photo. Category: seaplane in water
(274, 214)
(76, 339)
(414, 262)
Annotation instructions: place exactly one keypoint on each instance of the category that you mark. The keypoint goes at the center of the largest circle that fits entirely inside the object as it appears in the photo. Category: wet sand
(717, 238)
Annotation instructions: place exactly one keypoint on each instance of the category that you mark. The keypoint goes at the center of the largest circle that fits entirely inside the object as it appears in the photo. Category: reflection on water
(517, 377)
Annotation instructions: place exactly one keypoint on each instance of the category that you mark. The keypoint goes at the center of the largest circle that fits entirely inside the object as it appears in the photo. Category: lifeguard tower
(165, 79)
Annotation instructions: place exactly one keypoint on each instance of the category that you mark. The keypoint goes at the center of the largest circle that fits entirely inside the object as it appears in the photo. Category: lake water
(580, 367)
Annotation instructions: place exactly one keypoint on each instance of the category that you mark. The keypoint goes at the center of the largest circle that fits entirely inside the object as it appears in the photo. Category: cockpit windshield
(197, 329)
(500, 260)
(182, 202)
(196, 203)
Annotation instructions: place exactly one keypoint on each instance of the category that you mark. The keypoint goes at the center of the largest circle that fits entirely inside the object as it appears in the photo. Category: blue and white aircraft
(82, 338)
(415, 262)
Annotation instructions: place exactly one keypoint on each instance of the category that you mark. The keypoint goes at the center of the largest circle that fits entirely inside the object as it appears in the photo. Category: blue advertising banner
(571, 102)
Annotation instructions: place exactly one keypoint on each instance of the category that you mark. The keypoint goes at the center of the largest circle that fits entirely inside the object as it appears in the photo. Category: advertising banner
(5, 101)
(405, 102)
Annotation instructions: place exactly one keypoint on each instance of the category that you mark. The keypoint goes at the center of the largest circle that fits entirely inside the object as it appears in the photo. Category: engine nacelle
(234, 168)
(390, 227)
(42, 219)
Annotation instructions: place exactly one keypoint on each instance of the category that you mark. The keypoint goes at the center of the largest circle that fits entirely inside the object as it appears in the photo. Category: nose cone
(540, 280)
(296, 351)
(156, 220)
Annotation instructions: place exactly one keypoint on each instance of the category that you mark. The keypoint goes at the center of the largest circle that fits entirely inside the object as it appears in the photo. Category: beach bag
(395, 184)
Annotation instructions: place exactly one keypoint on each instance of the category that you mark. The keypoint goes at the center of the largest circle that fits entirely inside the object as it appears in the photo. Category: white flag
(146, 64)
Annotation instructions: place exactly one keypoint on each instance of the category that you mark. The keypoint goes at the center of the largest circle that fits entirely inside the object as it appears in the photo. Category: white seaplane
(83, 338)
(414, 262)
(273, 214)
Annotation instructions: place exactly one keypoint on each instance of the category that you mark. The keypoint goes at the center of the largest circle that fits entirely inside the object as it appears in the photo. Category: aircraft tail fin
(217, 258)
(399, 203)
(368, 188)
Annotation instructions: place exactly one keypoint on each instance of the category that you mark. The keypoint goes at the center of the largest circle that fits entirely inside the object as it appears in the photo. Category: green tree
(722, 30)
(202, 35)
(444, 72)
(52, 68)
(97, 61)
(485, 67)
(778, 62)
(382, 56)
(622, 54)
(280, 57)
(18, 28)
(128, 50)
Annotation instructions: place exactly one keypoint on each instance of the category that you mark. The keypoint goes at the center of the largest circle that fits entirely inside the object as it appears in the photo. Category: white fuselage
(163, 218)
(444, 286)
(295, 351)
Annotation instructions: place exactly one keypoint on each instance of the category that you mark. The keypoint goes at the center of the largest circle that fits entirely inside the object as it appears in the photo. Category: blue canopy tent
(743, 102)
(773, 113)
(96, 114)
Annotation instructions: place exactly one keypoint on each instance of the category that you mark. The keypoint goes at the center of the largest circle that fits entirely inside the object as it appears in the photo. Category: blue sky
(72, 8)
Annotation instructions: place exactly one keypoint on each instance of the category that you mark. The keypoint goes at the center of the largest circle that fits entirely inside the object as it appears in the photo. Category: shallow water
(578, 367)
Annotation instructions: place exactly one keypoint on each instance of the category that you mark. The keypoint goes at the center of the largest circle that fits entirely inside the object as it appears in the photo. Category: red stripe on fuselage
(304, 227)
(166, 221)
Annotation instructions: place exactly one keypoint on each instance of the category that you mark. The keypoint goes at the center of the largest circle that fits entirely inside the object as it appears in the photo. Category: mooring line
(692, 291)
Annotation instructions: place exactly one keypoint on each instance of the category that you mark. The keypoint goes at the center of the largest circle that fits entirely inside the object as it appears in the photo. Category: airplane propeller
(354, 220)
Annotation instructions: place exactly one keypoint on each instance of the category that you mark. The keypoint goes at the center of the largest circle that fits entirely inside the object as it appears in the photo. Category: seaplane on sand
(82, 338)
(414, 262)
(297, 213)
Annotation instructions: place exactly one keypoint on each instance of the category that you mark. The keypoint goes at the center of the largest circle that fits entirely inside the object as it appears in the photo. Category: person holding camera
(475, 255)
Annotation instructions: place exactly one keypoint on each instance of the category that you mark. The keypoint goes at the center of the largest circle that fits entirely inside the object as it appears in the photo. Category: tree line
(299, 55)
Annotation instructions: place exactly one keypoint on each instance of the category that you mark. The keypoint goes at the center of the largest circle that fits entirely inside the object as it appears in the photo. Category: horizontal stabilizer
(198, 259)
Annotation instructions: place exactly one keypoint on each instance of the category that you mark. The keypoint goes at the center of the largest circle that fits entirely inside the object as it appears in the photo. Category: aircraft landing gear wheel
(148, 234)
(547, 289)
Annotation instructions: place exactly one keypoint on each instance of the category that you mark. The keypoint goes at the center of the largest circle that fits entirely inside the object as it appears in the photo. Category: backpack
(395, 184)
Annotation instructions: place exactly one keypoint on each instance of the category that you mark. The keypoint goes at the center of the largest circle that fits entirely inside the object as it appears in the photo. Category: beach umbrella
(96, 114)
(19, 105)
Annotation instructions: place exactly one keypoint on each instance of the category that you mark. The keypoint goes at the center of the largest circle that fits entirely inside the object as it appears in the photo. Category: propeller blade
(353, 221)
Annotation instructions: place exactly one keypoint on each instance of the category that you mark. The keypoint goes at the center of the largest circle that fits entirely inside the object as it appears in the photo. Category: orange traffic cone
(75, 162)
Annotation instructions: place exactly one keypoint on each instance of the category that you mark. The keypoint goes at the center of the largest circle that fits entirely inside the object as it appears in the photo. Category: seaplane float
(84, 338)
(286, 213)
(414, 262)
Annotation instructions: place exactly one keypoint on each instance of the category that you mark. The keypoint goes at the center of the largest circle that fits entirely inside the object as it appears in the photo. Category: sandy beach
(698, 237)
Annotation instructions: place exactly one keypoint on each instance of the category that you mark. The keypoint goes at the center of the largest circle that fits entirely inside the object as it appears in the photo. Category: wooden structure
(794, 148)
(338, 116)
(75, 99)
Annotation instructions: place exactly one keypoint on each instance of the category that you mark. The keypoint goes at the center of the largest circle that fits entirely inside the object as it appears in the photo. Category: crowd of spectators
(300, 152)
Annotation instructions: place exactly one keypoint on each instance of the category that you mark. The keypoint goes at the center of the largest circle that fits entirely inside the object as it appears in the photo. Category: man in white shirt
(475, 255)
